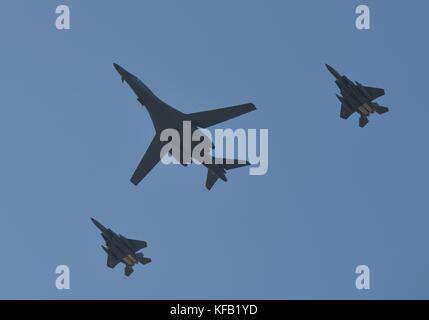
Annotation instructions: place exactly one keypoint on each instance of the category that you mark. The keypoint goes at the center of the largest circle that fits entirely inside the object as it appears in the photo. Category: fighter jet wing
(112, 261)
(209, 118)
(149, 161)
(374, 92)
(346, 112)
(137, 244)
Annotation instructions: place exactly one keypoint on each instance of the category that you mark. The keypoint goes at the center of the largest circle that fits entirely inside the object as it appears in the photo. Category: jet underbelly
(366, 109)
(129, 260)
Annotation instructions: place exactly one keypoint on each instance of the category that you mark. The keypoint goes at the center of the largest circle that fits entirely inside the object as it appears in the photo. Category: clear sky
(335, 196)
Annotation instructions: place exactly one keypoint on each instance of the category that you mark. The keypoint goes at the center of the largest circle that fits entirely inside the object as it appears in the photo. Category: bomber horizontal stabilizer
(236, 164)
(212, 177)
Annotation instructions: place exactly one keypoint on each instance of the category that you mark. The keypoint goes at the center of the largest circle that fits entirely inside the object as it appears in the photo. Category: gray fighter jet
(166, 117)
(357, 98)
(121, 249)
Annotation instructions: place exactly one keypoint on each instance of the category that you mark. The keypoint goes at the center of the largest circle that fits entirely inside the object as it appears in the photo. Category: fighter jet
(121, 249)
(357, 98)
(166, 117)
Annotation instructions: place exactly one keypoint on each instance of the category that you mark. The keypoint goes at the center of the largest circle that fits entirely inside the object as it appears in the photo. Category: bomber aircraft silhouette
(166, 117)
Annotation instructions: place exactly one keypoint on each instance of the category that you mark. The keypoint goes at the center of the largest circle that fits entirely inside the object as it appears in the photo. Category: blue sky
(335, 196)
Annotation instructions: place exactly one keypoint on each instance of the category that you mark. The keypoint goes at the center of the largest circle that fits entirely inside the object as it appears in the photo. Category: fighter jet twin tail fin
(209, 118)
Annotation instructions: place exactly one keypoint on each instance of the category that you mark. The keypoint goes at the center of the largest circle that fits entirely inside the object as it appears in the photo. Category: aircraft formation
(354, 98)
(357, 98)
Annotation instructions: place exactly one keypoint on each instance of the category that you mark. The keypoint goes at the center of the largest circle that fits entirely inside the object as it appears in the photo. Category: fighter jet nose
(99, 225)
(333, 71)
(120, 70)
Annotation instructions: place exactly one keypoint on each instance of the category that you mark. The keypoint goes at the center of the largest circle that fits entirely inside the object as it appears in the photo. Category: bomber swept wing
(209, 118)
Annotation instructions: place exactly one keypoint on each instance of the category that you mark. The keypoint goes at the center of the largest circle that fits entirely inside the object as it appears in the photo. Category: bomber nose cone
(120, 70)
